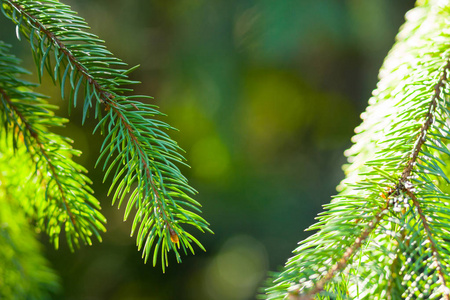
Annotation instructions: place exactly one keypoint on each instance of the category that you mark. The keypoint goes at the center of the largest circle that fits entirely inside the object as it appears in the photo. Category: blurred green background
(265, 95)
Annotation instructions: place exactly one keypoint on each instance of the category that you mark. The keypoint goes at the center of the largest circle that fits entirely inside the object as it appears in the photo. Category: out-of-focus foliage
(209, 64)
(24, 272)
(62, 200)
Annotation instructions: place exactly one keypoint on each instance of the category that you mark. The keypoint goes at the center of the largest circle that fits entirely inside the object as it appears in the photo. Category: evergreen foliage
(24, 273)
(51, 190)
(386, 234)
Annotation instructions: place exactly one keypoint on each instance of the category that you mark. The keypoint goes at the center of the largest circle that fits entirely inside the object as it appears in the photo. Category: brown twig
(421, 138)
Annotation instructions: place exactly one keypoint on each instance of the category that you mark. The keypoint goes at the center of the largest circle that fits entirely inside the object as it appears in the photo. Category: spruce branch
(386, 235)
(137, 151)
(392, 193)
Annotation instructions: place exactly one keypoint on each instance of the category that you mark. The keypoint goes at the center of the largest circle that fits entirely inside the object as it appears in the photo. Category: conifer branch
(136, 150)
(402, 185)
(420, 140)
(391, 212)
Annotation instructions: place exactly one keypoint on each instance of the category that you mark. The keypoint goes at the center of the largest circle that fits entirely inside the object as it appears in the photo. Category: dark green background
(265, 94)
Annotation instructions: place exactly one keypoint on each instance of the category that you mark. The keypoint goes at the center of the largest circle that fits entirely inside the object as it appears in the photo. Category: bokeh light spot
(210, 158)
(236, 271)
